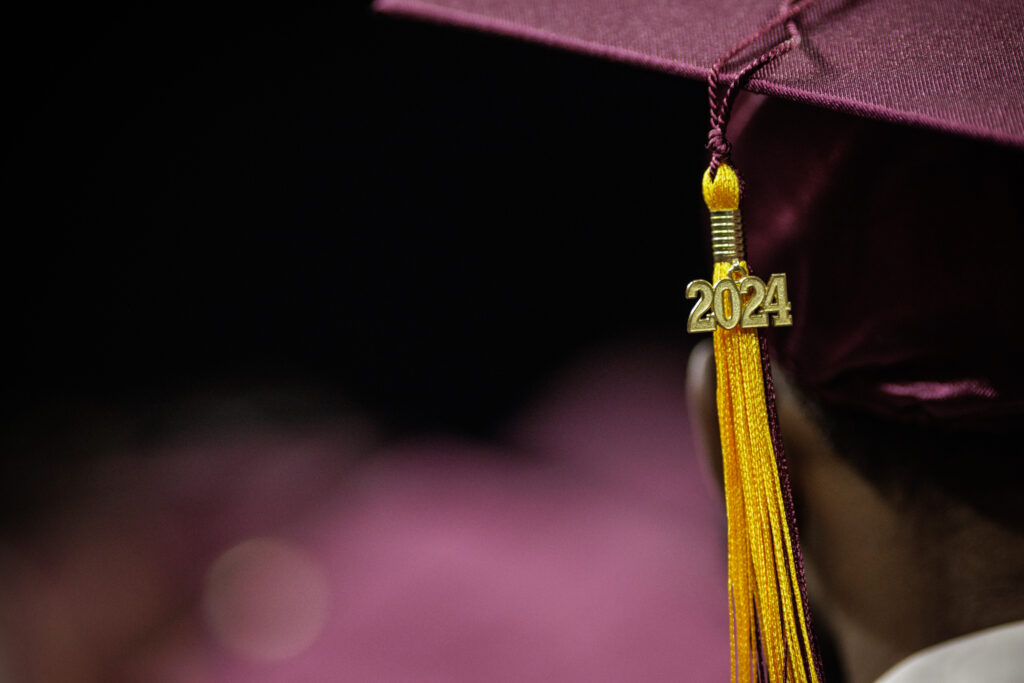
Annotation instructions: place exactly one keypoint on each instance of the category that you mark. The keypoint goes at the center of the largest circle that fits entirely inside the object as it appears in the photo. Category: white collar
(995, 655)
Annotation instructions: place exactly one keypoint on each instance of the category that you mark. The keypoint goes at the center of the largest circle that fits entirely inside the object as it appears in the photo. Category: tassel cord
(720, 105)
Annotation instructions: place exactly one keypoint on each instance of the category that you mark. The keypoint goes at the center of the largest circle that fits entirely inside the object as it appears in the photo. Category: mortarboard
(952, 66)
(893, 235)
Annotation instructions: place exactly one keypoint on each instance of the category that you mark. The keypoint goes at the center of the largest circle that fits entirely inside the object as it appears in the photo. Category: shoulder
(995, 655)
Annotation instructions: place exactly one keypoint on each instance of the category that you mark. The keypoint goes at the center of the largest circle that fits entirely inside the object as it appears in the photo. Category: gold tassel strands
(769, 635)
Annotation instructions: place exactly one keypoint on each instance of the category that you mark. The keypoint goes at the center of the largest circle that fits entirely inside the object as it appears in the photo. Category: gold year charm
(740, 299)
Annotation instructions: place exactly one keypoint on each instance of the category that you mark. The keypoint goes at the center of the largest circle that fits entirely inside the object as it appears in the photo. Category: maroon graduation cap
(952, 66)
(899, 241)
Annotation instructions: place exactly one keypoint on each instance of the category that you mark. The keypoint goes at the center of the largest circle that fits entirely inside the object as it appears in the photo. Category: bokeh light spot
(265, 599)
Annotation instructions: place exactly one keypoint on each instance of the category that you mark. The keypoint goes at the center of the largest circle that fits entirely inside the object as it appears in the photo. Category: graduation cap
(957, 67)
(898, 240)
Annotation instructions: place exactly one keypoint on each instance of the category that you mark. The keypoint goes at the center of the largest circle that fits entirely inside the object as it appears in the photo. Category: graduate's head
(901, 383)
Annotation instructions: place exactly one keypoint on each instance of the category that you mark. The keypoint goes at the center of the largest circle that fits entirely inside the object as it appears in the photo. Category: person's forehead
(948, 65)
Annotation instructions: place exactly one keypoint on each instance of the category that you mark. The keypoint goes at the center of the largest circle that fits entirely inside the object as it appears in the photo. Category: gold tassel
(769, 635)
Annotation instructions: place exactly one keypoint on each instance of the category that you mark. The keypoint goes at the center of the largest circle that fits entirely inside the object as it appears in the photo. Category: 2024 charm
(739, 299)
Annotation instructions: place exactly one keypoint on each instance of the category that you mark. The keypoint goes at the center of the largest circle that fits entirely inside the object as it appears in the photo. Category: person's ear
(700, 395)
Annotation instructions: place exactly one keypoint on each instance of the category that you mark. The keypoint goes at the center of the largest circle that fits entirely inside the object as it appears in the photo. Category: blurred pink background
(584, 544)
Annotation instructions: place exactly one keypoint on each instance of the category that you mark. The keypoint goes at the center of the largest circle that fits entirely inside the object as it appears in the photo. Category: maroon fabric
(948, 65)
(901, 247)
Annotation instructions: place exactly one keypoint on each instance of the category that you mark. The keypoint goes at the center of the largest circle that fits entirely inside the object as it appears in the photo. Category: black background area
(425, 220)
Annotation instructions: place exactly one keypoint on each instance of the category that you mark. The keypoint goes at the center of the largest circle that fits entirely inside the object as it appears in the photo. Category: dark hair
(918, 464)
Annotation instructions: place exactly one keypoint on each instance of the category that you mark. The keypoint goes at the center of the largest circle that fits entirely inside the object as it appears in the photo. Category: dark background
(422, 220)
